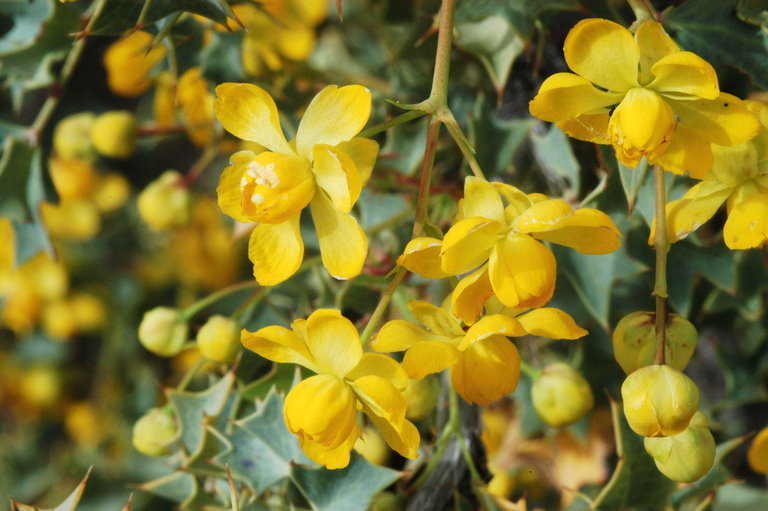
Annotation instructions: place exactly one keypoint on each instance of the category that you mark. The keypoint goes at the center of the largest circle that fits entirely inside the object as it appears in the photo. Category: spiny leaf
(121, 15)
(70, 504)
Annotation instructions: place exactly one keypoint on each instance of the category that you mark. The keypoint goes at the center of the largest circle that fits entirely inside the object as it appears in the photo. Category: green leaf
(379, 209)
(26, 18)
(521, 13)
(194, 409)
(179, 487)
(70, 504)
(714, 32)
(221, 58)
(632, 181)
(738, 497)
(747, 297)
(121, 15)
(495, 42)
(554, 155)
(347, 489)
(686, 261)
(15, 172)
(262, 449)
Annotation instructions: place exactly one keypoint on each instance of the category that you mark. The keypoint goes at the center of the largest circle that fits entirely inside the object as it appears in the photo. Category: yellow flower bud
(59, 321)
(421, 397)
(686, 456)
(371, 446)
(219, 339)
(154, 432)
(73, 179)
(40, 386)
(88, 311)
(659, 400)
(76, 220)
(114, 134)
(757, 455)
(163, 331)
(111, 192)
(502, 484)
(72, 137)
(165, 202)
(561, 395)
(634, 341)
(84, 424)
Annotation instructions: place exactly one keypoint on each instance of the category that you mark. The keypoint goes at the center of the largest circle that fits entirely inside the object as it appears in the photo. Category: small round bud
(76, 220)
(371, 446)
(165, 202)
(659, 400)
(40, 386)
(687, 456)
(421, 397)
(561, 395)
(72, 137)
(73, 179)
(89, 312)
(114, 134)
(386, 501)
(59, 321)
(634, 341)
(757, 455)
(219, 339)
(163, 332)
(111, 192)
(154, 432)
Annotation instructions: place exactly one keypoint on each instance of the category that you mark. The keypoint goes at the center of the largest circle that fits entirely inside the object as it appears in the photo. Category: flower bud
(659, 400)
(88, 311)
(561, 395)
(163, 332)
(40, 386)
(371, 446)
(58, 320)
(421, 397)
(114, 134)
(757, 455)
(687, 456)
(634, 341)
(386, 501)
(165, 202)
(72, 137)
(111, 192)
(73, 179)
(154, 432)
(219, 339)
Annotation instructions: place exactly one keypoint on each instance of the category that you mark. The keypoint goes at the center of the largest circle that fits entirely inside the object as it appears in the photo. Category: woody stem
(661, 244)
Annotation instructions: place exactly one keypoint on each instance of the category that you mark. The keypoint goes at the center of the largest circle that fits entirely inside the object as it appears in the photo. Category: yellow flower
(500, 224)
(129, 64)
(484, 364)
(277, 30)
(757, 455)
(321, 410)
(196, 103)
(325, 167)
(643, 95)
(165, 202)
(739, 176)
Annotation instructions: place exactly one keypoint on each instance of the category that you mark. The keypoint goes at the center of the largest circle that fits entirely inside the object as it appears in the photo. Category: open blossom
(496, 237)
(739, 178)
(324, 167)
(322, 409)
(643, 95)
(484, 363)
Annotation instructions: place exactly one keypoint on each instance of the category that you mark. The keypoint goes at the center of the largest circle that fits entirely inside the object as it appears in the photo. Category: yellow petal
(642, 123)
(428, 357)
(437, 319)
(687, 152)
(543, 216)
(228, 191)
(757, 455)
(276, 251)
(333, 342)
(470, 295)
(363, 152)
(294, 41)
(128, 64)
(337, 174)
(422, 256)
(335, 115)
(249, 112)
(697, 206)
(654, 45)
(494, 324)
(380, 398)
(685, 74)
(734, 165)
(278, 344)
(487, 371)
(399, 335)
(482, 200)
(724, 121)
(404, 441)
(551, 323)
(343, 245)
(566, 96)
(466, 245)
(331, 458)
(381, 366)
(588, 231)
(589, 127)
(522, 271)
(747, 224)
(164, 102)
(604, 53)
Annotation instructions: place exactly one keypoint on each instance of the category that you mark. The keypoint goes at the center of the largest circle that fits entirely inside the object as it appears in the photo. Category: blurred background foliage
(74, 379)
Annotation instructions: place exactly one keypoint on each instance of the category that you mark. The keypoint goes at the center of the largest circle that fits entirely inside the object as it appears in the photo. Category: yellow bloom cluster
(322, 409)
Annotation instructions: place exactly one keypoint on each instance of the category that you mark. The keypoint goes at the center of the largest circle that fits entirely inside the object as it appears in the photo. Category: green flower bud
(561, 395)
(219, 339)
(165, 202)
(659, 400)
(372, 446)
(163, 331)
(386, 501)
(687, 456)
(72, 137)
(634, 341)
(155, 431)
(421, 397)
(114, 134)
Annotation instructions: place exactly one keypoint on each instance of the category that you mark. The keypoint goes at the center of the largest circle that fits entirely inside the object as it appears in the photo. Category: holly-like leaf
(347, 489)
(687, 261)
(179, 487)
(714, 32)
(121, 15)
(554, 155)
(70, 504)
(751, 280)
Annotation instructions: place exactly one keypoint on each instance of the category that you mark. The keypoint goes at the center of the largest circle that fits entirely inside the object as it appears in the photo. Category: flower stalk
(661, 244)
